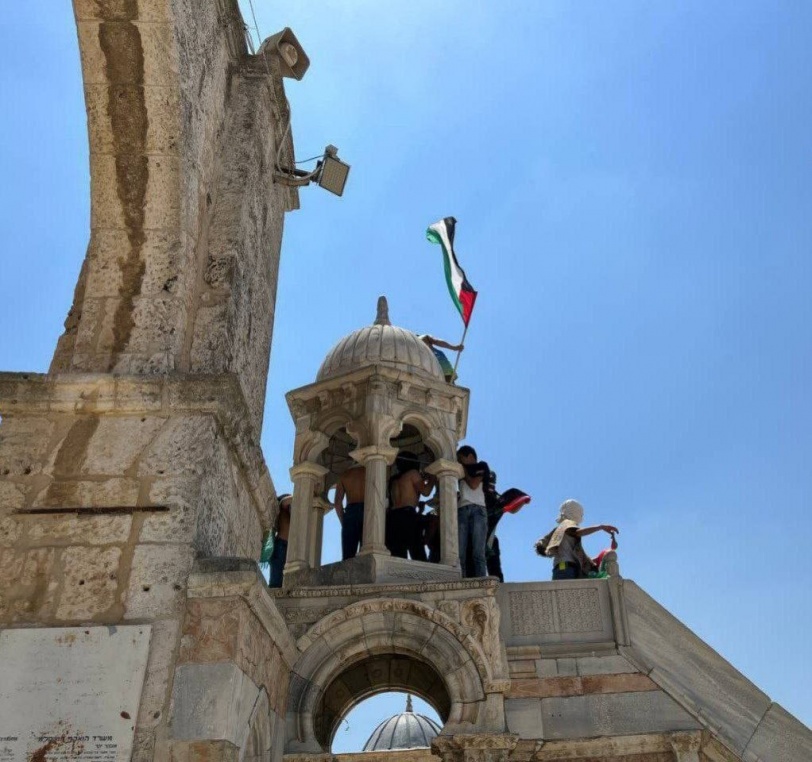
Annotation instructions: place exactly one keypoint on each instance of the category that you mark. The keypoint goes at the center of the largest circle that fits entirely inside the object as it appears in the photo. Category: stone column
(315, 534)
(448, 473)
(305, 477)
(375, 459)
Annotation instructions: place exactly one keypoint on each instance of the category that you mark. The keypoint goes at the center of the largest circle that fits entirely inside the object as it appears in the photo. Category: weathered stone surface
(117, 442)
(24, 442)
(27, 584)
(613, 715)
(212, 701)
(155, 694)
(89, 582)
(580, 686)
(688, 667)
(779, 736)
(524, 717)
(54, 529)
(157, 580)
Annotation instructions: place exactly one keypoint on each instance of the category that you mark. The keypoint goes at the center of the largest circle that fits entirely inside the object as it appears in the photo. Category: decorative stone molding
(474, 747)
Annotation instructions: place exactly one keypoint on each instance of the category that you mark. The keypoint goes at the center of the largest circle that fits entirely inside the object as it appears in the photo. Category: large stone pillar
(375, 459)
(448, 473)
(306, 477)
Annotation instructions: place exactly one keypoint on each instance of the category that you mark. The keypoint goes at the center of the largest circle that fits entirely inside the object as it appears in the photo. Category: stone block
(27, 584)
(157, 580)
(88, 493)
(613, 714)
(11, 528)
(566, 667)
(117, 443)
(89, 582)
(779, 736)
(603, 665)
(524, 717)
(155, 693)
(211, 630)
(687, 667)
(211, 701)
(161, 209)
(163, 128)
(183, 446)
(546, 667)
(158, 51)
(23, 444)
(53, 530)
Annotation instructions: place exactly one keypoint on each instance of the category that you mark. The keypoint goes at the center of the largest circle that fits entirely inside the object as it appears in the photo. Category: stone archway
(355, 652)
(371, 676)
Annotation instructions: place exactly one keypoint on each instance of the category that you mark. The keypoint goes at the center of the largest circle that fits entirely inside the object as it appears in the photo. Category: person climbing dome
(446, 365)
(563, 544)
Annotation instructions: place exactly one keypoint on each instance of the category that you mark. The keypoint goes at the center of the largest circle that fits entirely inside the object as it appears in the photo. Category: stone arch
(433, 435)
(374, 675)
(346, 642)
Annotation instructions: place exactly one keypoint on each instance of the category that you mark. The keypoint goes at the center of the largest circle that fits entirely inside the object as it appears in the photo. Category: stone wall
(184, 127)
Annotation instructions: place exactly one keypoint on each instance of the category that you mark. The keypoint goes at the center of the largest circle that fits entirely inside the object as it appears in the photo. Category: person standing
(472, 517)
(351, 485)
(402, 521)
(279, 554)
(563, 544)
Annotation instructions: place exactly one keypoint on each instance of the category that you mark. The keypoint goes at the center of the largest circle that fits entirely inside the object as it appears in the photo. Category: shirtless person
(434, 344)
(280, 541)
(351, 484)
(405, 489)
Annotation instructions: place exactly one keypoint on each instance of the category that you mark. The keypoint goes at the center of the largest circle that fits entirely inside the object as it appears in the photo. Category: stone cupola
(379, 390)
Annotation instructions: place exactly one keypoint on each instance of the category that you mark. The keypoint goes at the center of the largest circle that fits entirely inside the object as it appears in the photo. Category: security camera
(293, 61)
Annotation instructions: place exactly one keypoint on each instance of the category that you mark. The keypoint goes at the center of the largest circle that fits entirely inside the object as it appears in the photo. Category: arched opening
(370, 677)
(376, 723)
(336, 459)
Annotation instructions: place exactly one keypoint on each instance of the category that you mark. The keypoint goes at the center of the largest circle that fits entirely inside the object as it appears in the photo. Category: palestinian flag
(462, 293)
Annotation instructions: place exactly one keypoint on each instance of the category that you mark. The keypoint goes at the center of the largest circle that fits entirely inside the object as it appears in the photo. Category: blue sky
(632, 187)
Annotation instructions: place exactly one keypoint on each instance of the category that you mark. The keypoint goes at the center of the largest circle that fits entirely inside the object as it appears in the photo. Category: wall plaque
(71, 693)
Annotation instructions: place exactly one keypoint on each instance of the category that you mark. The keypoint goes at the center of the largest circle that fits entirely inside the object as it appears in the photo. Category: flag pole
(459, 352)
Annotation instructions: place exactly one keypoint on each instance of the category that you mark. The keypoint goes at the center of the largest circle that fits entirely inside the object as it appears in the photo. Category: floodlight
(333, 172)
(330, 173)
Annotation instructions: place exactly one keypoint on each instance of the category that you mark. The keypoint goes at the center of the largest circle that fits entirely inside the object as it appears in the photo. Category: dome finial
(409, 702)
(382, 318)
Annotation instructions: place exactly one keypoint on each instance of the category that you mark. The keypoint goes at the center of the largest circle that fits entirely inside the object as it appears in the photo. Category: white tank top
(469, 496)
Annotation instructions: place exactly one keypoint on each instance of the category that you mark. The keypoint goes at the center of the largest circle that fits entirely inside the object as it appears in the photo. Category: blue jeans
(278, 557)
(352, 530)
(472, 524)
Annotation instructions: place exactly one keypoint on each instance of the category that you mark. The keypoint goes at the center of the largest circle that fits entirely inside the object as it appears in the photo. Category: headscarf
(570, 514)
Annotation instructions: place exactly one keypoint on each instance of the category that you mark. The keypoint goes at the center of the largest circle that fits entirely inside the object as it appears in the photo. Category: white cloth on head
(570, 515)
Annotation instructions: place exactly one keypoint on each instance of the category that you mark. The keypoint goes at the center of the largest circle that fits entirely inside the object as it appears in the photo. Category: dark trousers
(570, 571)
(278, 557)
(352, 530)
(403, 536)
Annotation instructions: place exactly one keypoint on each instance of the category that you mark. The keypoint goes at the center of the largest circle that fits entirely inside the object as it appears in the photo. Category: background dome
(381, 344)
(406, 730)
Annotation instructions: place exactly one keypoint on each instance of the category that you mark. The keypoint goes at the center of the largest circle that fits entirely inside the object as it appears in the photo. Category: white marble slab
(71, 692)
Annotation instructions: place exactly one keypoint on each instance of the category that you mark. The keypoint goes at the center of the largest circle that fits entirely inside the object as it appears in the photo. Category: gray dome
(406, 730)
(381, 344)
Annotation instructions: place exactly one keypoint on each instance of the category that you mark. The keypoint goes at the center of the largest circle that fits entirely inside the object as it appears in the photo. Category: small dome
(406, 730)
(381, 344)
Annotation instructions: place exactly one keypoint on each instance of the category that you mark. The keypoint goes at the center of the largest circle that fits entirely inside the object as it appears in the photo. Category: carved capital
(307, 469)
(686, 746)
(364, 455)
(442, 467)
(474, 747)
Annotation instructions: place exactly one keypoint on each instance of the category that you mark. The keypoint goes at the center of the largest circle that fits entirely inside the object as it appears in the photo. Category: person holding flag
(461, 291)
